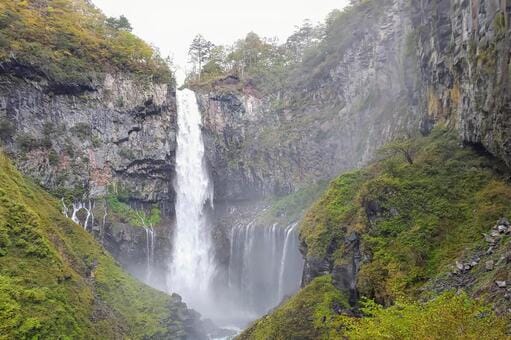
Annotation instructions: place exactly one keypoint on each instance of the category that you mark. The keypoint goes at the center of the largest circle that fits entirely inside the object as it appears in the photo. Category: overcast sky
(171, 25)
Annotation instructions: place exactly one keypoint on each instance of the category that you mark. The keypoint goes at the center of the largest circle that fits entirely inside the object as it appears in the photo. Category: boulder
(501, 284)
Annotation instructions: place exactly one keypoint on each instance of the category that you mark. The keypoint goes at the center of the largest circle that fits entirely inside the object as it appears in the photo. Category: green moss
(330, 217)
(139, 218)
(309, 314)
(415, 219)
(428, 213)
(55, 280)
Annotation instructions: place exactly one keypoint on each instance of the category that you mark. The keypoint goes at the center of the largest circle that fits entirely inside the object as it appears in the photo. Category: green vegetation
(308, 54)
(290, 208)
(70, 41)
(56, 280)
(307, 315)
(448, 316)
(415, 219)
(134, 217)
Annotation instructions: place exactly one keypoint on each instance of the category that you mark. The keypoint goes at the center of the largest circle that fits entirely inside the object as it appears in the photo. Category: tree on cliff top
(200, 52)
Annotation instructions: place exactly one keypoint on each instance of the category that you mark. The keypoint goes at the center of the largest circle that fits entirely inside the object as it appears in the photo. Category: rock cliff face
(407, 67)
(264, 144)
(115, 136)
(464, 57)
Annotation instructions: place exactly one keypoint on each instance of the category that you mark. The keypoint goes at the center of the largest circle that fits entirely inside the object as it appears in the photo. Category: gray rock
(489, 265)
(495, 234)
(504, 222)
(501, 284)
(502, 229)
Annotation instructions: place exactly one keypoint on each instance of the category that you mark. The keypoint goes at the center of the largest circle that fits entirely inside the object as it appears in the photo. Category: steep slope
(55, 279)
(88, 110)
(402, 228)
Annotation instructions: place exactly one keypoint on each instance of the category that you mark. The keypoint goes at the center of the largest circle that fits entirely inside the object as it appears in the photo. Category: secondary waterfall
(192, 266)
(265, 265)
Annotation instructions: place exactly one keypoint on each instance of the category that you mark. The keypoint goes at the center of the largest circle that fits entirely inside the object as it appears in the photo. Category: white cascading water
(192, 266)
(265, 266)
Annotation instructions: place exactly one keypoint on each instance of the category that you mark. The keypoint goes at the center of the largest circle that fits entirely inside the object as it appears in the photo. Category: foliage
(332, 214)
(308, 54)
(291, 207)
(200, 52)
(56, 281)
(119, 24)
(70, 41)
(82, 131)
(448, 316)
(138, 218)
(415, 219)
(307, 315)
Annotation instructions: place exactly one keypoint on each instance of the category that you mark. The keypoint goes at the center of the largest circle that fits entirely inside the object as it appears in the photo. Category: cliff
(382, 70)
(399, 231)
(329, 116)
(89, 112)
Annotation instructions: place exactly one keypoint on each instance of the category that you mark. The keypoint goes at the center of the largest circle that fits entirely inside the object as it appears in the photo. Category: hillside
(398, 231)
(56, 279)
(70, 42)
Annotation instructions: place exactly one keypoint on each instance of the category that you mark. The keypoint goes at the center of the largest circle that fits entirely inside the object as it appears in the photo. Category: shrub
(448, 316)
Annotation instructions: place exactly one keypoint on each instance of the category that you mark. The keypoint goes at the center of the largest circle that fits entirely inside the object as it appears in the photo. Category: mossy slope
(415, 217)
(303, 316)
(56, 281)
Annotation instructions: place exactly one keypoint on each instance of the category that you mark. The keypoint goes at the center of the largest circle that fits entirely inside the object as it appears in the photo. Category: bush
(448, 316)
(70, 41)
(82, 131)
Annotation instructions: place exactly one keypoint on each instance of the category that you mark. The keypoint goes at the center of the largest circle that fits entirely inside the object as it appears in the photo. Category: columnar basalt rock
(414, 65)
(465, 69)
(82, 144)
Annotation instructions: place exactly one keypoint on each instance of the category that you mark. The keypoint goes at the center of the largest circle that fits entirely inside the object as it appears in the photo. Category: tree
(405, 146)
(200, 52)
(122, 23)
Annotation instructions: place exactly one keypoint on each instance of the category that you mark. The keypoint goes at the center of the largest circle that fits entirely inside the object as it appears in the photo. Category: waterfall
(265, 265)
(149, 233)
(192, 266)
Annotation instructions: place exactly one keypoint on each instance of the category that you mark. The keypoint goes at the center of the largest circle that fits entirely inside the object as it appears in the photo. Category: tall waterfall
(192, 266)
(264, 264)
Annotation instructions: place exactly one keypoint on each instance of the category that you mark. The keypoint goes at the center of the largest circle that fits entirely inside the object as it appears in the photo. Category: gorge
(350, 182)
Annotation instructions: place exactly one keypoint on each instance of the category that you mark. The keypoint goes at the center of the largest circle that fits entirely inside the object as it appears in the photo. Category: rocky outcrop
(405, 67)
(116, 135)
(465, 68)
(266, 144)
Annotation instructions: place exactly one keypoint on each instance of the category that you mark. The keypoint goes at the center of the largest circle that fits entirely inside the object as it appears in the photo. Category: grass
(307, 315)
(56, 280)
(417, 213)
(426, 214)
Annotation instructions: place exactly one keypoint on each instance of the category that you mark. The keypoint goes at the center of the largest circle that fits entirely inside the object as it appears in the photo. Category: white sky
(171, 25)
